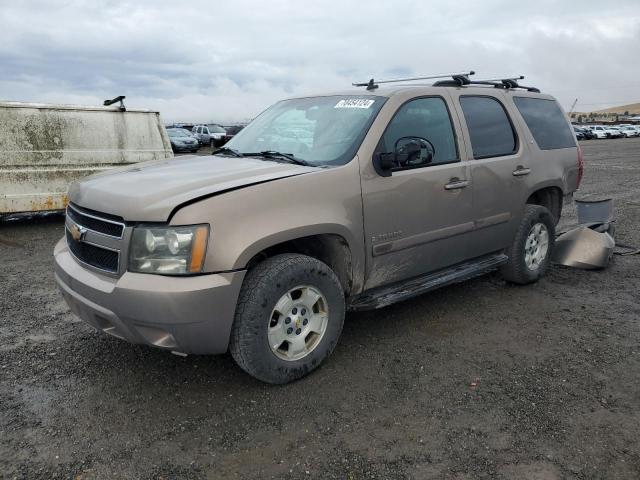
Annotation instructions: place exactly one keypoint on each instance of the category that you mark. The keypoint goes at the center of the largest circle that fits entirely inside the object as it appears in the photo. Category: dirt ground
(479, 380)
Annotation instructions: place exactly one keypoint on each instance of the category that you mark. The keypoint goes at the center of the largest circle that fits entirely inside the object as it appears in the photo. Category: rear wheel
(288, 320)
(530, 253)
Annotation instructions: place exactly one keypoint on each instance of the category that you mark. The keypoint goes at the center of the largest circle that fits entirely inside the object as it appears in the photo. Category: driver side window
(426, 118)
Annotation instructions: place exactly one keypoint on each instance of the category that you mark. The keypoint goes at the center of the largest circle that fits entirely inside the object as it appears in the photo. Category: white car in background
(629, 130)
(615, 132)
(600, 131)
(210, 134)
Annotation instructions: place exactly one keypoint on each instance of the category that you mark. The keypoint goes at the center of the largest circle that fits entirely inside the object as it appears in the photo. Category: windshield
(173, 132)
(318, 130)
(216, 129)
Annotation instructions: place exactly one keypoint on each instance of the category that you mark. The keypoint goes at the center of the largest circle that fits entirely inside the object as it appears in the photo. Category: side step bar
(386, 295)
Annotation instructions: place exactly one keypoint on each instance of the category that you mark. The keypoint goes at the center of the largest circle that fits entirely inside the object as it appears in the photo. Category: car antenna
(461, 78)
(120, 99)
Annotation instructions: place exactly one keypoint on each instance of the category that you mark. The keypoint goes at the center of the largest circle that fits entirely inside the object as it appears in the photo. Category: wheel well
(328, 248)
(550, 198)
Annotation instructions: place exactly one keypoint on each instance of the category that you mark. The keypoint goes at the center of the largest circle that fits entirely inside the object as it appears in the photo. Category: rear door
(419, 218)
(499, 165)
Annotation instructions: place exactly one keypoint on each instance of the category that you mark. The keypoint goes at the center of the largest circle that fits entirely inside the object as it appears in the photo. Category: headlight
(168, 250)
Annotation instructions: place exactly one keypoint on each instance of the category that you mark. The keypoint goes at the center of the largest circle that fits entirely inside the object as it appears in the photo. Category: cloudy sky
(227, 60)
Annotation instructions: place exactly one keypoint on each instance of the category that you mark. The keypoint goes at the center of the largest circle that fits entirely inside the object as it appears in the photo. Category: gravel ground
(479, 380)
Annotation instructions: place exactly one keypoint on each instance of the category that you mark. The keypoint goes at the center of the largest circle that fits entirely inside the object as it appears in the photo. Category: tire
(517, 269)
(258, 319)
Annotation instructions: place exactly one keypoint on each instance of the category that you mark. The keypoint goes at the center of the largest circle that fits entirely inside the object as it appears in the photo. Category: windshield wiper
(224, 150)
(273, 154)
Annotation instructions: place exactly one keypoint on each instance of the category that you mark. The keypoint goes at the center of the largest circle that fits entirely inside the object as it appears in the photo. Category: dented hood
(150, 191)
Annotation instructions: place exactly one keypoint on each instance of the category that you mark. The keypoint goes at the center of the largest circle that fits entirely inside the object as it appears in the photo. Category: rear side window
(489, 127)
(546, 121)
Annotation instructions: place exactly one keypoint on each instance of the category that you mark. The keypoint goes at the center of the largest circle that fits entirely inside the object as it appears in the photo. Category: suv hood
(150, 191)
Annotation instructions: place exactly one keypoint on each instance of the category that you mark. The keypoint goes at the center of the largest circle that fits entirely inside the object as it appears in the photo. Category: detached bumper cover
(584, 248)
(184, 314)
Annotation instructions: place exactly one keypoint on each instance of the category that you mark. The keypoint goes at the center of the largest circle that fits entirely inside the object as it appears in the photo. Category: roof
(422, 89)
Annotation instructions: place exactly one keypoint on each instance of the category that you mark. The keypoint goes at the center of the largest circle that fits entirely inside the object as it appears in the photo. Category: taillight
(580, 166)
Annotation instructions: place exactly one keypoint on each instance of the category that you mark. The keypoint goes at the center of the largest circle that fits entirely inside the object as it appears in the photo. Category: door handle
(521, 171)
(455, 183)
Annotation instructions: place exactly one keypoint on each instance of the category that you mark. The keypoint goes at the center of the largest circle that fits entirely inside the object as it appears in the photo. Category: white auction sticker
(354, 103)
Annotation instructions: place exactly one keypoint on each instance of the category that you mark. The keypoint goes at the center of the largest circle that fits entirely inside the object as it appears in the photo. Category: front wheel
(530, 253)
(288, 320)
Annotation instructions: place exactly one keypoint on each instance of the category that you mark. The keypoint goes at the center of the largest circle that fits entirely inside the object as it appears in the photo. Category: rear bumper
(184, 314)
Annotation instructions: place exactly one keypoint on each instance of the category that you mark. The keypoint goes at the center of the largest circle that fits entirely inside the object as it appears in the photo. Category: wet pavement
(478, 380)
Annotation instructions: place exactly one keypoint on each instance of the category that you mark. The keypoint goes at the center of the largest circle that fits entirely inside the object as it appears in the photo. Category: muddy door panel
(414, 223)
(417, 218)
(498, 202)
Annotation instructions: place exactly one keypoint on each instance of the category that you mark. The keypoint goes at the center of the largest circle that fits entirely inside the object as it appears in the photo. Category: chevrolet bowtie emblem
(77, 232)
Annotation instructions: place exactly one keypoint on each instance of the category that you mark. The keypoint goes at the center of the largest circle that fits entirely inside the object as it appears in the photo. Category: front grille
(93, 255)
(105, 226)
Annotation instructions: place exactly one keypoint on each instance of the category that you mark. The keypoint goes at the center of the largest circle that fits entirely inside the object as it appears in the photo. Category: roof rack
(506, 83)
(461, 77)
(458, 79)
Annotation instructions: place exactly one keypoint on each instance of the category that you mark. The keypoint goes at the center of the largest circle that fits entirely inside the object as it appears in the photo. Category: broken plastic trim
(591, 244)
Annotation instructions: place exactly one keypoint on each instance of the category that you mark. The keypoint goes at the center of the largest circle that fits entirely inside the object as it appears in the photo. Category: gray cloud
(206, 61)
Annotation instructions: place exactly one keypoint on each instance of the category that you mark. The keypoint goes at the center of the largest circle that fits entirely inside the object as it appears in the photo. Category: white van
(43, 148)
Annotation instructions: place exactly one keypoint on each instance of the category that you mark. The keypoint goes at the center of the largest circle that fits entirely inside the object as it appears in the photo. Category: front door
(419, 218)
(206, 138)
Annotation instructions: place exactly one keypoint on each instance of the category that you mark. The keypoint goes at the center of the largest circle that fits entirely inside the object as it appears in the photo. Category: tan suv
(322, 204)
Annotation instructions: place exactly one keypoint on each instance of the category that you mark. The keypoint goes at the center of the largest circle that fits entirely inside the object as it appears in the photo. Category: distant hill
(607, 114)
(632, 108)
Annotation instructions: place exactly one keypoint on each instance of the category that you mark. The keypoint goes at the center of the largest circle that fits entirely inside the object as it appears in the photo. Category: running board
(386, 295)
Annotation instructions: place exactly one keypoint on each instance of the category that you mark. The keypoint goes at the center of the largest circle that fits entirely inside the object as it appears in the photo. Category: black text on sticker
(354, 103)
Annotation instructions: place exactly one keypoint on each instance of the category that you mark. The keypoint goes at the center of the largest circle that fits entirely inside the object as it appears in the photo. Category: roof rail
(461, 78)
(506, 83)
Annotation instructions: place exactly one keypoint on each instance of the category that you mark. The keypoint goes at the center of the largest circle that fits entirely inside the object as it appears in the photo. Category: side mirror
(413, 151)
(409, 152)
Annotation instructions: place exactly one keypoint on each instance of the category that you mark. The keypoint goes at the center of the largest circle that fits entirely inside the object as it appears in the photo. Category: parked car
(585, 133)
(182, 140)
(588, 134)
(210, 134)
(231, 132)
(388, 194)
(629, 131)
(600, 131)
(217, 135)
(615, 132)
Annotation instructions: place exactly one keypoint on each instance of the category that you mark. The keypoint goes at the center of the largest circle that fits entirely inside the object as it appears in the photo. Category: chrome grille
(98, 257)
(95, 239)
(105, 226)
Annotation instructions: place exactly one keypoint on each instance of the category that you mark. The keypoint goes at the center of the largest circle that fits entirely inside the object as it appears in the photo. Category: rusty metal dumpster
(43, 148)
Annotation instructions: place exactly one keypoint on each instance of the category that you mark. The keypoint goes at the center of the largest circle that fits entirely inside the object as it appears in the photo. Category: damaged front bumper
(183, 314)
